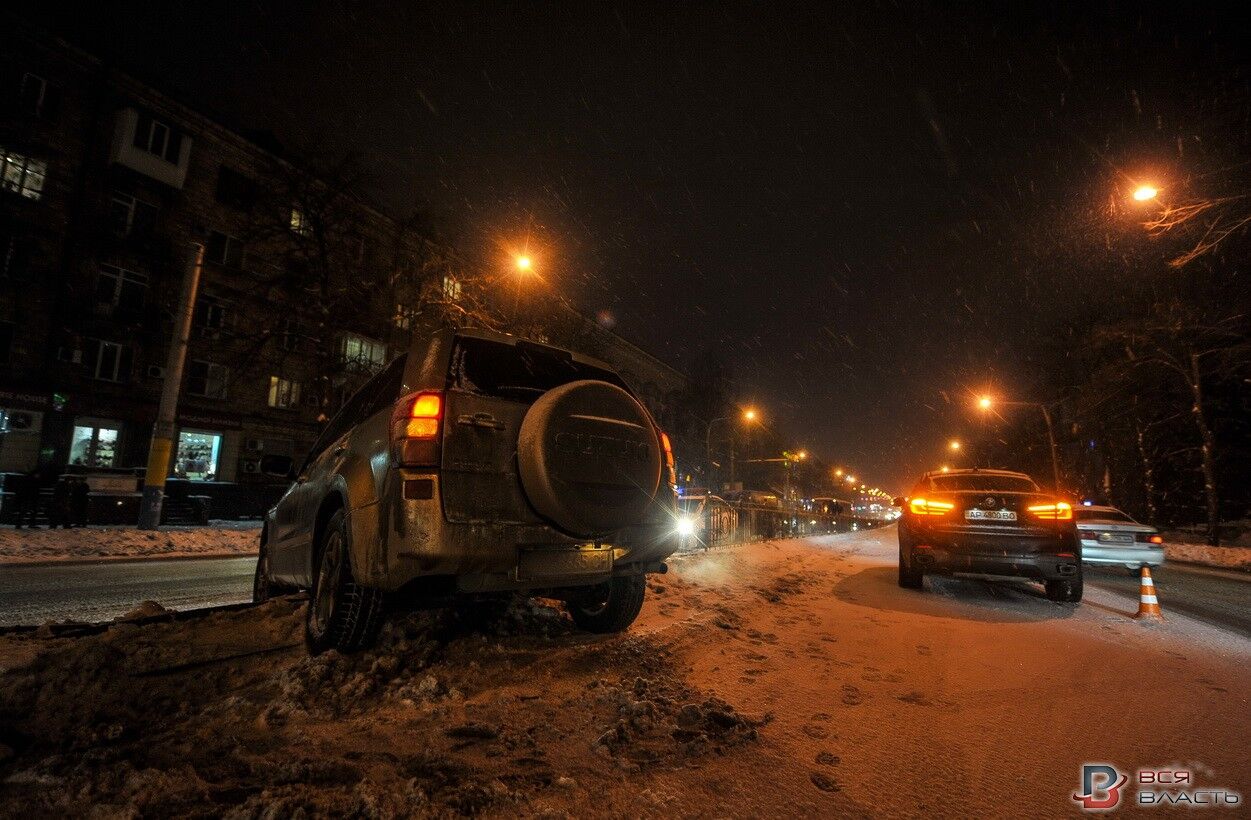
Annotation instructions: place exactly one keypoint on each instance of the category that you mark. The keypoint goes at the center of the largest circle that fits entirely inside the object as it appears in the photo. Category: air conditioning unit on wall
(251, 467)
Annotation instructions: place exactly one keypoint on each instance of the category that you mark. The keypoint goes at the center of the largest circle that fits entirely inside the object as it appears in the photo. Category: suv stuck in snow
(475, 463)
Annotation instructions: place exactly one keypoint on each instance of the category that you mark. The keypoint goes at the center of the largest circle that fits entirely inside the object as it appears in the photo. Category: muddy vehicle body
(475, 463)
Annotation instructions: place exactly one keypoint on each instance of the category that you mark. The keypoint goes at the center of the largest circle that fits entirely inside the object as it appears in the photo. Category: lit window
(23, 175)
(361, 353)
(451, 288)
(405, 316)
(300, 223)
(283, 393)
(93, 446)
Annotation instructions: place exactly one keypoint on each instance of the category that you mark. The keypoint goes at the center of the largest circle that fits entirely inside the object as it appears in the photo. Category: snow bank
(27, 546)
(1226, 557)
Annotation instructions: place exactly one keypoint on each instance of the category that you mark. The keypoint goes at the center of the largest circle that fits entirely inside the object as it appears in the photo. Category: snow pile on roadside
(494, 707)
(28, 546)
(1226, 557)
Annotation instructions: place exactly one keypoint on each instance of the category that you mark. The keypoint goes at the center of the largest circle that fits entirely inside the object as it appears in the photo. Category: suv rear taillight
(930, 506)
(415, 426)
(670, 465)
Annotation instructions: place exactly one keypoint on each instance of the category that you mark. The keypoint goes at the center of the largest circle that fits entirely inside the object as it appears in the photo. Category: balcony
(150, 147)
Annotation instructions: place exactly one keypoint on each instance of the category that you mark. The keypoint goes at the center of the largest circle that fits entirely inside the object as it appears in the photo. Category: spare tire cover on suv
(589, 457)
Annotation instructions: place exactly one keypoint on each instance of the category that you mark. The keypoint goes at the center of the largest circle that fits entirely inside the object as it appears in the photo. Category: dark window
(14, 255)
(224, 250)
(984, 483)
(158, 138)
(39, 98)
(6, 341)
(207, 379)
(213, 316)
(130, 216)
(126, 290)
(521, 372)
(236, 190)
(108, 361)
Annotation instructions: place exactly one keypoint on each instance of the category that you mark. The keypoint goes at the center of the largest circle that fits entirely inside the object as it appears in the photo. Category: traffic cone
(1148, 604)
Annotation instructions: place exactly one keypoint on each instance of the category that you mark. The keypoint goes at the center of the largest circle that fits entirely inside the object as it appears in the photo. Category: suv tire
(613, 606)
(908, 578)
(1065, 592)
(341, 614)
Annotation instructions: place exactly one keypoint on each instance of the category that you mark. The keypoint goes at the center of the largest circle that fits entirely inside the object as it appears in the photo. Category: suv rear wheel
(342, 614)
(908, 578)
(1065, 592)
(610, 607)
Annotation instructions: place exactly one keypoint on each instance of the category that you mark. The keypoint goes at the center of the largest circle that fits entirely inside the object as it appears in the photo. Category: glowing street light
(984, 402)
(1144, 193)
(851, 479)
(945, 468)
(524, 263)
(838, 473)
(954, 445)
(749, 414)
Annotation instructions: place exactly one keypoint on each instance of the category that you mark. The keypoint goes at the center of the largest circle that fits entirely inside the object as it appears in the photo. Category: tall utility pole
(163, 431)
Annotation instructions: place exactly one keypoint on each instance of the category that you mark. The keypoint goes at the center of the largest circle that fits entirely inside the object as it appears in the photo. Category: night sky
(866, 209)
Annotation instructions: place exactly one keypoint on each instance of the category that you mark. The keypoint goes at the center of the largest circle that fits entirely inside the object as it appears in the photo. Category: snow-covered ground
(27, 546)
(1227, 557)
(785, 678)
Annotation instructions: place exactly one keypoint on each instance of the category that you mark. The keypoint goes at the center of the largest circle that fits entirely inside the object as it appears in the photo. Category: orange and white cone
(1148, 604)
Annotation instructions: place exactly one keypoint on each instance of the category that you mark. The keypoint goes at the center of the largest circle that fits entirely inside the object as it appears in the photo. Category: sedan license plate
(990, 515)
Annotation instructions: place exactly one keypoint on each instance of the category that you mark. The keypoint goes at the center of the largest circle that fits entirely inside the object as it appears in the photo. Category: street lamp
(1145, 192)
(524, 265)
(749, 416)
(986, 403)
(954, 446)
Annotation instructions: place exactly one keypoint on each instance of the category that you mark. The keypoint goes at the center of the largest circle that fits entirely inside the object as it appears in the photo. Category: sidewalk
(108, 543)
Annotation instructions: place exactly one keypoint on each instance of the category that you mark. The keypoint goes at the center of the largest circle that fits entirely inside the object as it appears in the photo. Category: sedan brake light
(1150, 538)
(1056, 511)
(924, 506)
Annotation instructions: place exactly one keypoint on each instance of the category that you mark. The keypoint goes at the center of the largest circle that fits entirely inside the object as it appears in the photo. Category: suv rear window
(984, 483)
(520, 372)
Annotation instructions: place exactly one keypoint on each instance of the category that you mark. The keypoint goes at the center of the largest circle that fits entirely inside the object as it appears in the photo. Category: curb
(121, 559)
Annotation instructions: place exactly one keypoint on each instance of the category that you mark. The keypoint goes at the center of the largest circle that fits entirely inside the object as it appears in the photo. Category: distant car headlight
(686, 526)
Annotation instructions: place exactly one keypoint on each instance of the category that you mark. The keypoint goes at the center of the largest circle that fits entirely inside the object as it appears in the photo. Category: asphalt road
(99, 592)
(102, 591)
(1221, 598)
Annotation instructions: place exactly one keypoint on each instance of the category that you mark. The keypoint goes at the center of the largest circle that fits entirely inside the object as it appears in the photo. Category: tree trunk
(1148, 473)
(1208, 450)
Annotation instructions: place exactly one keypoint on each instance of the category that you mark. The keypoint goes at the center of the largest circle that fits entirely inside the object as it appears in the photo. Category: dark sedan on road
(989, 522)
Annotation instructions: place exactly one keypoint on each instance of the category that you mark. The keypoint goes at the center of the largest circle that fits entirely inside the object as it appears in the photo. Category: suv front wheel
(610, 607)
(342, 614)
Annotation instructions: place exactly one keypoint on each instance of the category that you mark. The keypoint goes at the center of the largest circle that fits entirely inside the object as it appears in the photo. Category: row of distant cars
(1001, 523)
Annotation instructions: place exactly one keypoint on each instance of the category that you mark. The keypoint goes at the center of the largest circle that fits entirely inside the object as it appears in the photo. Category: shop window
(197, 455)
(207, 379)
(94, 446)
(283, 393)
(21, 174)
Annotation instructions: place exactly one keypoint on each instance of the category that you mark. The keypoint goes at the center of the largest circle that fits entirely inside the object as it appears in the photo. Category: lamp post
(986, 403)
(749, 415)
